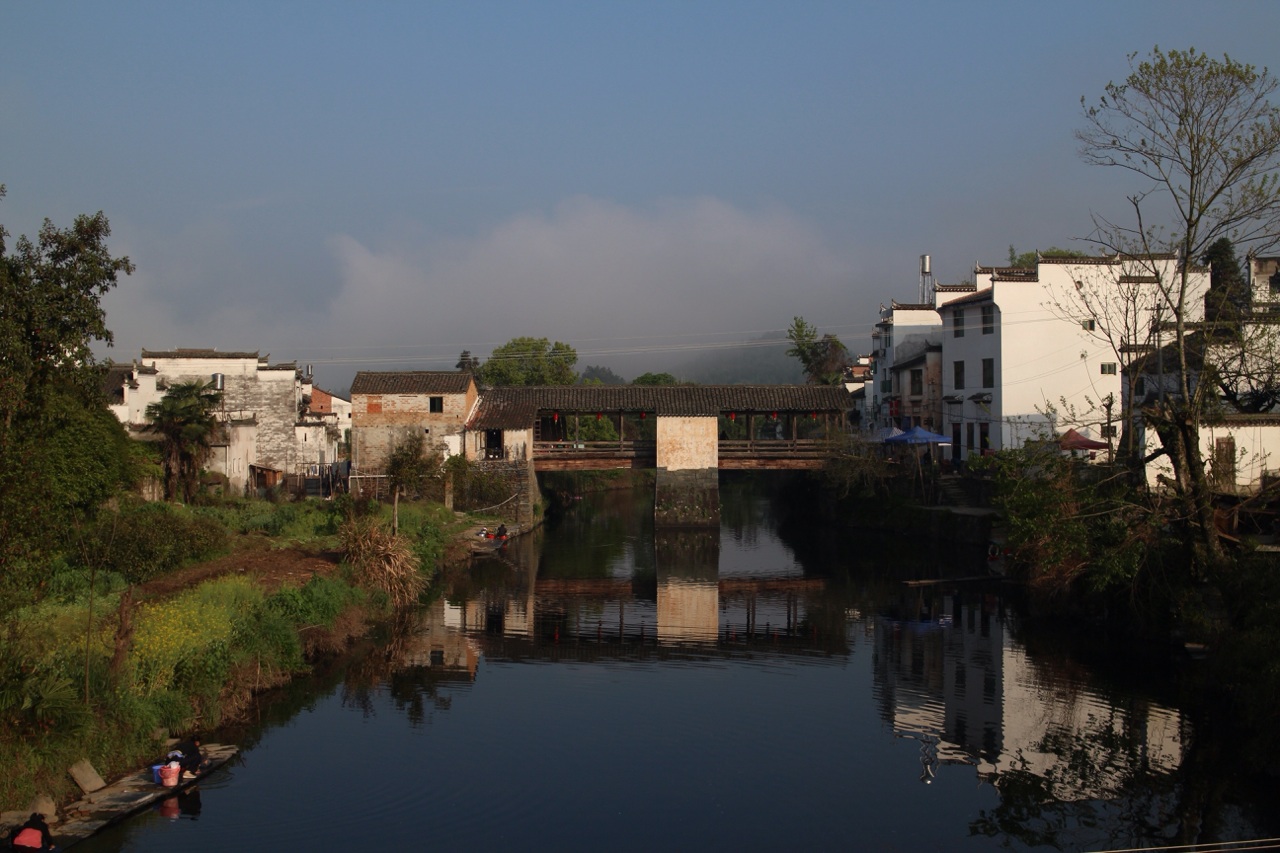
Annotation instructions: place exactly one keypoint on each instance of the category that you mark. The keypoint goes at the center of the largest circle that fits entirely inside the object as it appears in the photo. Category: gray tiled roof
(517, 407)
(114, 379)
(983, 295)
(410, 382)
(197, 353)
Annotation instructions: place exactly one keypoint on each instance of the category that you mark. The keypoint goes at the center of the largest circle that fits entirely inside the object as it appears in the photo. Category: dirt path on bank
(273, 567)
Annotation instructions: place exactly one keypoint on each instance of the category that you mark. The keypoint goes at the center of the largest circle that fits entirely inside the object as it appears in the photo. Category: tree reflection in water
(399, 672)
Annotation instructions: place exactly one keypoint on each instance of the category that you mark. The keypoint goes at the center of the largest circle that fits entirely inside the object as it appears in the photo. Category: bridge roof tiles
(517, 407)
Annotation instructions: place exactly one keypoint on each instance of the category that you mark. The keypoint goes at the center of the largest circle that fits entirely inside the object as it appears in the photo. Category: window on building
(984, 435)
(957, 323)
(1108, 368)
(1109, 431)
(988, 319)
(1140, 387)
(959, 378)
(968, 435)
(988, 373)
(917, 383)
(1088, 325)
(437, 404)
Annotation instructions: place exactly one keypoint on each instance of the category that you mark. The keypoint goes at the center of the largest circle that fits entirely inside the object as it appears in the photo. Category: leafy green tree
(1228, 297)
(51, 292)
(1030, 259)
(824, 359)
(593, 428)
(467, 363)
(655, 379)
(187, 425)
(53, 419)
(597, 375)
(1205, 137)
(530, 361)
(409, 467)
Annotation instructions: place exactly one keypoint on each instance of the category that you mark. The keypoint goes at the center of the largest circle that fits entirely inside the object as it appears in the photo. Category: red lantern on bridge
(774, 416)
(642, 416)
(733, 416)
(599, 415)
(555, 417)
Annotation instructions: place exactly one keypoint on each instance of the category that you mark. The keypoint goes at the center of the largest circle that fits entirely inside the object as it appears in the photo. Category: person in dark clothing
(502, 531)
(32, 835)
(192, 759)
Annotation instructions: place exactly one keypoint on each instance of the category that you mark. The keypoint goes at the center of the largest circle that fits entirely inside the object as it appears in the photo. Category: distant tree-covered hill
(749, 364)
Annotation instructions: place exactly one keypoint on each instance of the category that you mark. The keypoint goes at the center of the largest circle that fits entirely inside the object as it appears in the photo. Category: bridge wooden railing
(762, 447)
(620, 449)
(808, 447)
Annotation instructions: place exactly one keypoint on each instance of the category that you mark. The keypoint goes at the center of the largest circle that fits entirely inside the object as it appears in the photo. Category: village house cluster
(276, 423)
(1018, 354)
(1023, 354)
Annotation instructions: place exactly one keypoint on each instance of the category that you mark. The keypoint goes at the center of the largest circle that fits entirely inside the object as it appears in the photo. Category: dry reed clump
(382, 560)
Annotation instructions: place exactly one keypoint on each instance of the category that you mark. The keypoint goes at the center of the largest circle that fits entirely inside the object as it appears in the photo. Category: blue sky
(377, 185)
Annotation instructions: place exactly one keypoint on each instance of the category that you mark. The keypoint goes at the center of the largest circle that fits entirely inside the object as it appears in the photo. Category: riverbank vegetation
(129, 641)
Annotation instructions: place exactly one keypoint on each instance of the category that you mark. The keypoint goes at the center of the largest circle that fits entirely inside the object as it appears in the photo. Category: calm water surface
(770, 687)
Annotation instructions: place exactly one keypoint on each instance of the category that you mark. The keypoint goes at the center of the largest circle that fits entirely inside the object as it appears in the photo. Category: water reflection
(767, 686)
(947, 672)
(950, 673)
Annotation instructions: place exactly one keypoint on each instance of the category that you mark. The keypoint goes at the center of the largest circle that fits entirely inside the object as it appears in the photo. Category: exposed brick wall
(381, 421)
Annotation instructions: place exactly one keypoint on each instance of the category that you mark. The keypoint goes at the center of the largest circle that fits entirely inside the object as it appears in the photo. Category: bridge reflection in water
(683, 606)
(946, 671)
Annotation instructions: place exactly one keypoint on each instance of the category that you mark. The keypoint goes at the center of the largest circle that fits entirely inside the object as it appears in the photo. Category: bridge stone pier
(687, 491)
(687, 434)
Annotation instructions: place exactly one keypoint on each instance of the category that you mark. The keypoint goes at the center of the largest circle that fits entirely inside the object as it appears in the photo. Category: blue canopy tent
(913, 438)
(917, 435)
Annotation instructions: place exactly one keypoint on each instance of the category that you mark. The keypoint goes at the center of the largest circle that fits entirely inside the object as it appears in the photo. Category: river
(773, 686)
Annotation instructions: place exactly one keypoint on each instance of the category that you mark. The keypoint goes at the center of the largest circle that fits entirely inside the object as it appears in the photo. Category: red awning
(1072, 440)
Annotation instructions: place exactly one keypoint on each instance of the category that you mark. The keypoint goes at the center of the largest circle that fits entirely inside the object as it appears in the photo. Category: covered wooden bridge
(686, 433)
(596, 427)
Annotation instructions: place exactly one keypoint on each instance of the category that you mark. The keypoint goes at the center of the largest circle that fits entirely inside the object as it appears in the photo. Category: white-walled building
(268, 432)
(129, 389)
(1240, 438)
(909, 324)
(1033, 351)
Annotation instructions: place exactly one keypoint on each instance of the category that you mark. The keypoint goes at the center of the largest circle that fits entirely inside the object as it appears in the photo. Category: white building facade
(267, 430)
(1033, 351)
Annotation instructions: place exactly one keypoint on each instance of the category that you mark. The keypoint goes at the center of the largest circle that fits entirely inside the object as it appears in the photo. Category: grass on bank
(183, 663)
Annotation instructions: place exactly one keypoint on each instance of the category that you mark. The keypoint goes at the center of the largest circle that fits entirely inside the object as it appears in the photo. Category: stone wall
(523, 482)
(687, 498)
(252, 390)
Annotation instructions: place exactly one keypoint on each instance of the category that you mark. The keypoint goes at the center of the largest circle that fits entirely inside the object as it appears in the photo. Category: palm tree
(185, 419)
